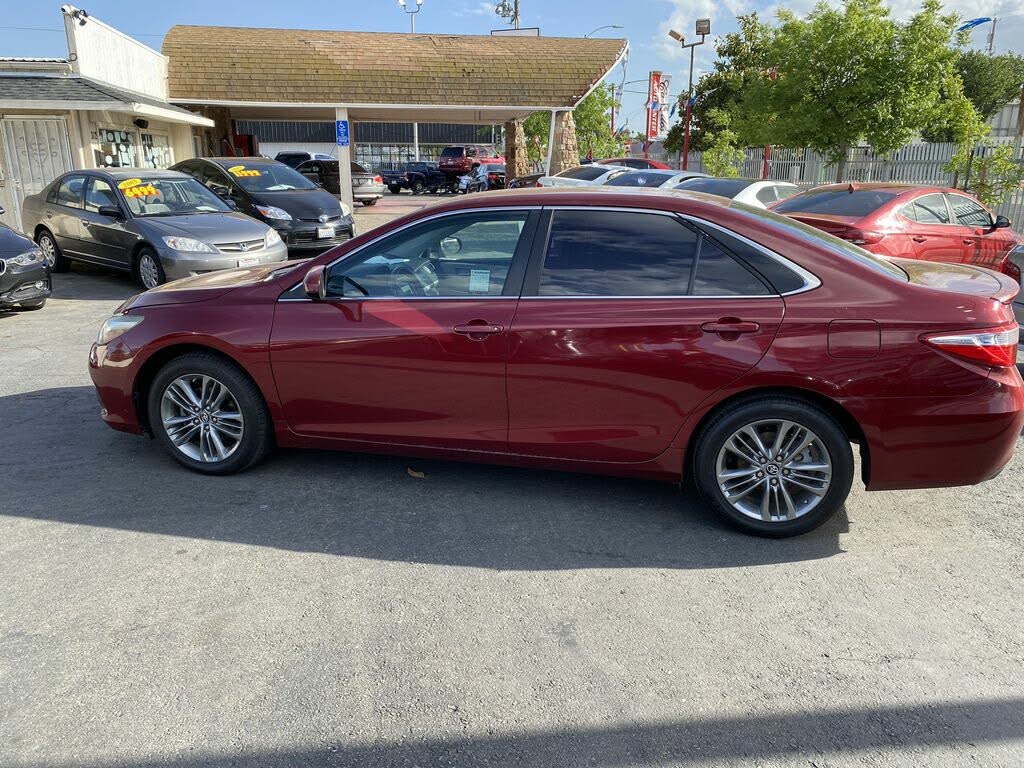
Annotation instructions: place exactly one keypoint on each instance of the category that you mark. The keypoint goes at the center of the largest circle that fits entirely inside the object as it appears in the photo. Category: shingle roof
(326, 67)
(82, 89)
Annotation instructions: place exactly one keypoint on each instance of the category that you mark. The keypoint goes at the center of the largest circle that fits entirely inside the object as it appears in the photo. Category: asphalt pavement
(335, 609)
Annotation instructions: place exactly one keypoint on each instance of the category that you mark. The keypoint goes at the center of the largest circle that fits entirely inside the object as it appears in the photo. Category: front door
(104, 238)
(982, 244)
(410, 344)
(37, 152)
(630, 321)
(935, 236)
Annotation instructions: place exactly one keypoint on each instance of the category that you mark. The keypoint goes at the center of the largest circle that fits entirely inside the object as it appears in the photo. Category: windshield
(817, 237)
(268, 177)
(169, 197)
(838, 202)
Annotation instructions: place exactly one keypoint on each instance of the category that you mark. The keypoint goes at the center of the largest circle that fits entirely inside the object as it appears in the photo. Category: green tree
(850, 74)
(990, 83)
(992, 176)
(593, 118)
(721, 156)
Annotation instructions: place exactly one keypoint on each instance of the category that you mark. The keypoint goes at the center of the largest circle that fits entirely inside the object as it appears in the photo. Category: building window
(117, 149)
(156, 151)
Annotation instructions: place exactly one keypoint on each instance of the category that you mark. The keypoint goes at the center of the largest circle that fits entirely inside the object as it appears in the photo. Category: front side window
(969, 213)
(464, 255)
(169, 197)
(99, 195)
(71, 191)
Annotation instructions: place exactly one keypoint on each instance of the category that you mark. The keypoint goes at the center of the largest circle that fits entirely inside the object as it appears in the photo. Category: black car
(521, 182)
(24, 272)
(297, 158)
(394, 179)
(426, 177)
(367, 187)
(307, 217)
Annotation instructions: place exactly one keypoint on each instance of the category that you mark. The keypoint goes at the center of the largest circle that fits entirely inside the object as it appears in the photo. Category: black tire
(395, 190)
(60, 261)
(417, 187)
(257, 434)
(161, 276)
(724, 424)
(371, 201)
(31, 306)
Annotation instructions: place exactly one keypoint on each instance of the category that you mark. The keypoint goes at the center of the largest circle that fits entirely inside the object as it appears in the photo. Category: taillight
(862, 237)
(492, 176)
(996, 347)
(539, 184)
(378, 180)
(1011, 270)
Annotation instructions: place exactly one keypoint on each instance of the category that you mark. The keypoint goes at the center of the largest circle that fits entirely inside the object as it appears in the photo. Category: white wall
(101, 52)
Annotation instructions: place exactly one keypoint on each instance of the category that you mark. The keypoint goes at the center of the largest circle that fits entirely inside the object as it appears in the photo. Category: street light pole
(412, 13)
(703, 29)
(606, 26)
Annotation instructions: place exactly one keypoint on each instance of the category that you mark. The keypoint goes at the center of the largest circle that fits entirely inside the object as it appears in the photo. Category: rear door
(628, 320)
(410, 345)
(65, 218)
(981, 244)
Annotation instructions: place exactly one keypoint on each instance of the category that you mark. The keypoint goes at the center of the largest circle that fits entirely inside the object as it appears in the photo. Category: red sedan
(907, 221)
(648, 334)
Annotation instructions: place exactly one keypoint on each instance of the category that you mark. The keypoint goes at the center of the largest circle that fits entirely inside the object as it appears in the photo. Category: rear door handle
(478, 328)
(968, 242)
(919, 239)
(728, 326)
(85, 222)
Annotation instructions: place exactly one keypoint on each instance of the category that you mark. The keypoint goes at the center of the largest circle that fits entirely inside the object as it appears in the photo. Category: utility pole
(703, 29)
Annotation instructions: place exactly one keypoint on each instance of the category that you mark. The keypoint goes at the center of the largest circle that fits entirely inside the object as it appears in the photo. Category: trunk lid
(834, 225)
(960, 278)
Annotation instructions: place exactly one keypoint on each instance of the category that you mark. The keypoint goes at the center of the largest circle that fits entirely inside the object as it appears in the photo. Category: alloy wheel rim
(148, 271)
(774, 470)
(48, 249)
(202, 418)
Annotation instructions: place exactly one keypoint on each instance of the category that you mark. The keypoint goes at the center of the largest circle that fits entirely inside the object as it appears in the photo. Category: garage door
(37, 152)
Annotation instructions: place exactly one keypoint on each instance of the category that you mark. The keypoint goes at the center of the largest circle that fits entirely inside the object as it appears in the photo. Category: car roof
(131, 173)
(229, 161)
(894, 187)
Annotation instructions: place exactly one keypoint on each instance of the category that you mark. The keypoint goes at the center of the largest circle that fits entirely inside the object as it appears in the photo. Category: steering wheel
(420, 280)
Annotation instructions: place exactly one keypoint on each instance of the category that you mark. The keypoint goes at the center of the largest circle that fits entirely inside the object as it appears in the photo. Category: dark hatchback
(24, 272)
(307, 217)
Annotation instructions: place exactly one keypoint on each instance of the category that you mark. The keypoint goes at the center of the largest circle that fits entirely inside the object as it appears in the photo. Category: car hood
(227, 227)
(13, 243)
(307, 204)
(205, 287)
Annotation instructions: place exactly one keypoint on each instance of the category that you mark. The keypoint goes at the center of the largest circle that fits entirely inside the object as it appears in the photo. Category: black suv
(307, 217)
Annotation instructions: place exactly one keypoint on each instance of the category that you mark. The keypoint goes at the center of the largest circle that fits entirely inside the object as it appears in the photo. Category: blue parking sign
(342, 132)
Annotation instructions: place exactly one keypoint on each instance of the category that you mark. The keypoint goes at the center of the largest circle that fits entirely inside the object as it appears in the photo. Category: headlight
(27, 258)
(273, 212)
(271, 238)
(188, 244)
(345, 210)
(115, 326)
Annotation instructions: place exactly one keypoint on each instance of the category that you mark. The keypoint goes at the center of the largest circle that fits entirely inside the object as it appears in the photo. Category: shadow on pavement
(745, 740)
(92, 283)
(72, 468)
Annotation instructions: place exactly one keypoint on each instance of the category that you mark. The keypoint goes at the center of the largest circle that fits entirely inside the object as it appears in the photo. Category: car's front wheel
(149, 269)
(776, 466)
(209, 415)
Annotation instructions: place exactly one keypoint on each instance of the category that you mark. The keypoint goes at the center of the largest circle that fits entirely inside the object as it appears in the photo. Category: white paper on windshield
(479, 280)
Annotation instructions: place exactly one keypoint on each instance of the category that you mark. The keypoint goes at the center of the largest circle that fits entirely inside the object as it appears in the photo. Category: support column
(548, 170)
(416, 141)
(567, 150)
(516, 160)
(345, 160)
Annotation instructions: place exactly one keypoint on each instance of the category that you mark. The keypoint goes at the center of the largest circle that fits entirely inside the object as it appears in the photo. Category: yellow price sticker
(241, 170)
(129, 183)
(147, 190)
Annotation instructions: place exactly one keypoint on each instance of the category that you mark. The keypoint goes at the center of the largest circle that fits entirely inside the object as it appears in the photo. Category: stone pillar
(566, 152)
(516, 161)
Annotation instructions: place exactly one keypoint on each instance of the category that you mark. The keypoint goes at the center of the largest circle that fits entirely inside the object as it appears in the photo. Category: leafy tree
(722, 157)
(593, 126)
(990, 83)
(992, 176)
(850, 74)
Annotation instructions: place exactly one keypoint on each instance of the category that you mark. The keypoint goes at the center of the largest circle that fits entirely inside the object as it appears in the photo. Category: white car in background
(653, 178)
(759, 193)
(583, 176)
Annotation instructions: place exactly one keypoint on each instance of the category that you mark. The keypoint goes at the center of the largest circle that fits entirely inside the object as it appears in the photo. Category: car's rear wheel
(149, 269)
(51, 251)
(417, 187)
(371, 201)
(776, 466)
(209, 415)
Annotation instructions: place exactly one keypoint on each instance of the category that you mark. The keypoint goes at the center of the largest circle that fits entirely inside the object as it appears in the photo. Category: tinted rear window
(642, 179)
(838, 202)
(453, 152)
(721, 187)
(584, 172)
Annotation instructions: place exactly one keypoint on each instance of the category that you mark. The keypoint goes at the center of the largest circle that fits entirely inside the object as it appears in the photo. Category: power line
(47, 29)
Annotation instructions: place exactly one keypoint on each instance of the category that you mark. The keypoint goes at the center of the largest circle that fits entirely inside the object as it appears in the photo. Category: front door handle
(968, 242)
(478, 329)
(85, 222)
(730, 326)
(919, 239)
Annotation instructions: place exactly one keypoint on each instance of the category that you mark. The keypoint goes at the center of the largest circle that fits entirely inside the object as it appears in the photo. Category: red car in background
(649, 333)
(637, 163)
(907, 221)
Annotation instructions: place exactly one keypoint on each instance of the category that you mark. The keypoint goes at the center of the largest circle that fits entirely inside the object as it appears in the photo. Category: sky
(35, 28)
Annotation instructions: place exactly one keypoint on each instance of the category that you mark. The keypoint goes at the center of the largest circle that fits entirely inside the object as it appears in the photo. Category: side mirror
(231, 203)
(219, 189)
(1001, 223)
(315, 283)
(111, 212)
(451, 246)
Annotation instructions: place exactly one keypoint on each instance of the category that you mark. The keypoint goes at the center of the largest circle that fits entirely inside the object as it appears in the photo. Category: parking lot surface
(337, 609)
